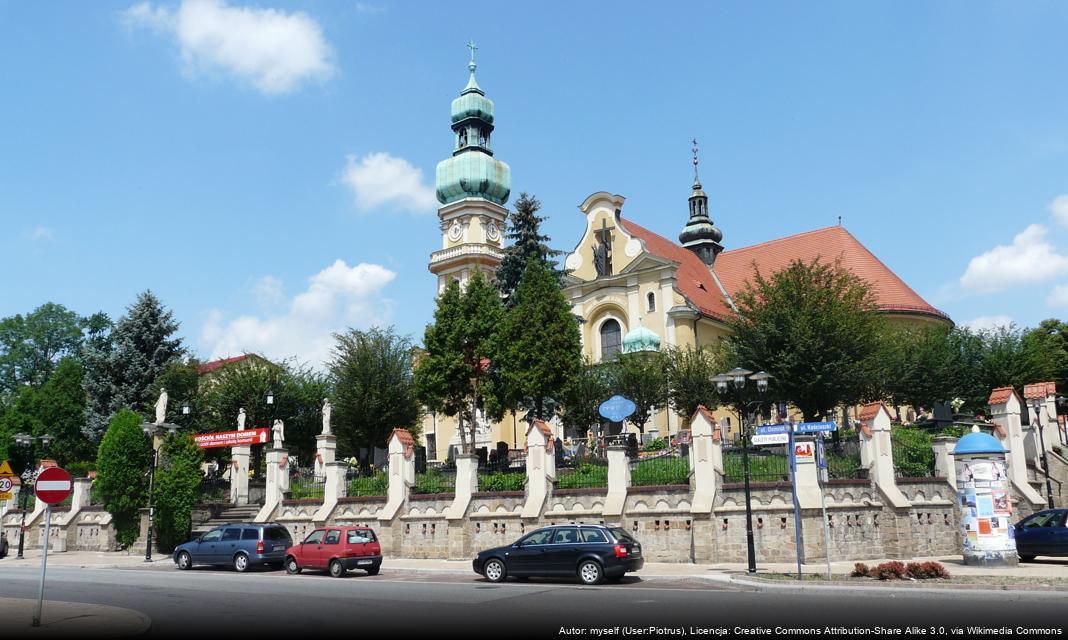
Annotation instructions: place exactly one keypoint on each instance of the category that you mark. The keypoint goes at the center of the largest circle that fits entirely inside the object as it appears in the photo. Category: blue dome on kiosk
(976, 443)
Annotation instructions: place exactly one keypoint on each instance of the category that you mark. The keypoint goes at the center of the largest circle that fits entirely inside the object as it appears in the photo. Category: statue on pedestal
(161, 407)
(241, 419)
(326, 416)
(279, 431)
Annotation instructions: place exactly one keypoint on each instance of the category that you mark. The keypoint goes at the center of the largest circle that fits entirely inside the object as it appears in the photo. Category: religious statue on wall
(161, 406)
(241, 419)
(279, 431)
(326, 416)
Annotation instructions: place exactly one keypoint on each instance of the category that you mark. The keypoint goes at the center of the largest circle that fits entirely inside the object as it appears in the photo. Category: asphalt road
(213, 601)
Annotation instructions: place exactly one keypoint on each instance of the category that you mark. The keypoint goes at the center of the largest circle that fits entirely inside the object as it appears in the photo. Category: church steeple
(700, 235)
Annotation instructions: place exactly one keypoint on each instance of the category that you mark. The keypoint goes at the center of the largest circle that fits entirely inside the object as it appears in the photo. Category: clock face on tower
(455, 231)
(492, 232)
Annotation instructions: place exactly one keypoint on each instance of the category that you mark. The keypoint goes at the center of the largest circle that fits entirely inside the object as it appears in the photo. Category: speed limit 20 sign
(5, 488)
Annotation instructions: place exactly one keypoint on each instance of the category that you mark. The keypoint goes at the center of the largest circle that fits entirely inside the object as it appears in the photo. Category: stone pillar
(1005, 405)
(1046, 393)
(618, 481)
(80, 499)
(541, 467)
(875, 438)
(325, 452)
(277, 482)
(944, 465)
(333, 489)
(239, 475)
(706, 460)
(466, 485)
(986, 509)
(401, 448)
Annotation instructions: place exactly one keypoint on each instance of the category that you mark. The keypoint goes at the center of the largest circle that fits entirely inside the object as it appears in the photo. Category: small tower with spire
(700, 235)
(472, 187)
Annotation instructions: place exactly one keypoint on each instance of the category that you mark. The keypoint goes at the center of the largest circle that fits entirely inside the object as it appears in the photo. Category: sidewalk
(70, 619)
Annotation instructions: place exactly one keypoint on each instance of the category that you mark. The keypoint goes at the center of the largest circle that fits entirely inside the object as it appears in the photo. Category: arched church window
(651, 300)
(611, 340)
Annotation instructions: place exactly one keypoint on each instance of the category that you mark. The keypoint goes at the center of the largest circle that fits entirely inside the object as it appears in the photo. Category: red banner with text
(231, 438)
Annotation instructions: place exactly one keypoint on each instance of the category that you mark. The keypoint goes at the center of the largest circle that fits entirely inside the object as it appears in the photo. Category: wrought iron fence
(843, 459)
(440, 479)
(305, 483)
(589, 473)
(913, 454)
(213, 490)
(363, 484)
(666, 469)
(766, 464)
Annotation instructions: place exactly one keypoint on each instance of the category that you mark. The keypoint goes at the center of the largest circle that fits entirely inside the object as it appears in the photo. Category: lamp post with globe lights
(733, 383)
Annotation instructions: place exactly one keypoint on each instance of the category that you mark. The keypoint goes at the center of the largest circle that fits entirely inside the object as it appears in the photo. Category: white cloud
(42, 233)
(1030, 258)
(274, 50)
(1059, 209)
(1058, 297)
(379, 179)
(269, 291)
(988, 322)
(337, 297)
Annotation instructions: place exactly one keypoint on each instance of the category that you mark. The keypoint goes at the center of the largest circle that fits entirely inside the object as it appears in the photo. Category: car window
(315, 537)
(250, 534)
(276, 534)
(212, 536)
(541, 536)
(360, 536)
(1042, 520)
(621, 535)
(593, 535)
(565, 536)
(332, 537)
(232, 534)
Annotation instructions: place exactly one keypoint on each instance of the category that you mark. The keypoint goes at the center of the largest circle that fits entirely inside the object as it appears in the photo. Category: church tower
(700, 235)
(472, 187)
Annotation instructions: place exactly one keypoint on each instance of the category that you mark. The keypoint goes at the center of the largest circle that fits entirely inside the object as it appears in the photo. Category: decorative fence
(843, 460)
(766, 464)
(440, 479)
(366, 484)
(913, 455)
(305, 483)
(503, 473)
(668, 468)
(587, 473)
(213, 490)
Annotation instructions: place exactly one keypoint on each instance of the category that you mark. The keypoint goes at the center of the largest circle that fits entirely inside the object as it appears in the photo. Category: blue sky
(266, 168)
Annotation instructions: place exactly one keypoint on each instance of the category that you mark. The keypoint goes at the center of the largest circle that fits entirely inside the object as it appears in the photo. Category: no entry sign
(53, 485)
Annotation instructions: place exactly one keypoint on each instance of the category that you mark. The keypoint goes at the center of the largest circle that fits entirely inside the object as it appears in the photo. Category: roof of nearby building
(736, 267)
(208, 367)
(1001, 395)
(1040, 390)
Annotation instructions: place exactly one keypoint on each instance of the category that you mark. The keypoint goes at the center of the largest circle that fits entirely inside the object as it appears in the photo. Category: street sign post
(6, 482)
(773, 429)
(52, 487)
(762, 439)
(814, 427)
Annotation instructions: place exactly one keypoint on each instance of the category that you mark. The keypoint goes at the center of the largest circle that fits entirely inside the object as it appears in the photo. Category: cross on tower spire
(695, 161)
(473, 47)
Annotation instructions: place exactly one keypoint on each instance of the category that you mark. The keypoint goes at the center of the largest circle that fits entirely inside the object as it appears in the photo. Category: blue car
(1042, 534)
(238, 545)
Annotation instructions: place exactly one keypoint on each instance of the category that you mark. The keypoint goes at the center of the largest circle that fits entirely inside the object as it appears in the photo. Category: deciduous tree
(123, 463)
(177, 481)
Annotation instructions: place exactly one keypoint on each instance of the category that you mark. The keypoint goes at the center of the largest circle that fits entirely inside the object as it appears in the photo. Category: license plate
(280, 548)
(363, 562)
(637, 552)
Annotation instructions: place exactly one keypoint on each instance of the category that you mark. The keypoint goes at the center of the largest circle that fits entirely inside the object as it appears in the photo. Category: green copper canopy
(640, 339)
(472, 172)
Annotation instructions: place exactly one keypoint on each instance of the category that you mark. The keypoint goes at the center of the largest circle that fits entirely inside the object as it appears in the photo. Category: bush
(926, 570)
(376, 485)
(80, 469)
(892, 570)
(860, 570)
(661, 471)
(498, 481)
(656, 444)
(913, 453)
(122, 479)
(178, 478)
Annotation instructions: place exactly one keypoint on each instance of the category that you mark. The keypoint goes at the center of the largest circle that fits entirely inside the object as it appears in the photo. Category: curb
(1006, 593)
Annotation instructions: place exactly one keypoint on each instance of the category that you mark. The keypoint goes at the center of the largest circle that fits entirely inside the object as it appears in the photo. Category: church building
(632, 289)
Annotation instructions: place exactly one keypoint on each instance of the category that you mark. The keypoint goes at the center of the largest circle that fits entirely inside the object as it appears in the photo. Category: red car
(337, 550)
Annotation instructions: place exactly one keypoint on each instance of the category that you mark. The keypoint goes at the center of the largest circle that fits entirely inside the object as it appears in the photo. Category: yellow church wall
(511, 429)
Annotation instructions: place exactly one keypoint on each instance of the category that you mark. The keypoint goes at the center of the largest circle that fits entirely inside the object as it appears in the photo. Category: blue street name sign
(772, 429)
(617, 408)
(813, 427)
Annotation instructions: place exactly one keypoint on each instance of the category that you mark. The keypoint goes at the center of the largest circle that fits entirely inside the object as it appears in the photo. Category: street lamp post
(28, 477)
(153, 431)
(738, 378)
(1036, 404)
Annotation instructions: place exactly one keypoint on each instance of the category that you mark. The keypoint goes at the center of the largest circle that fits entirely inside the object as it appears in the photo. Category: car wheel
(241, 563)
(495, 571)
(373, 571)
(589, 572)
(292, 566)
(185, 562)
(336, 568)
(1026, 557)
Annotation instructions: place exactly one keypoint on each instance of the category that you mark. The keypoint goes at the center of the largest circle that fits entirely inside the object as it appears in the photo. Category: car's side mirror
(200, 539)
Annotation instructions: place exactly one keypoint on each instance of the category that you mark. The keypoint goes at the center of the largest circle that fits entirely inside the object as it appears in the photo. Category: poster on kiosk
(984, 501)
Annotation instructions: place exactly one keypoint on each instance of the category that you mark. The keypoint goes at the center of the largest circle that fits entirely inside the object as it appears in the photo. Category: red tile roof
(1040, 390)
(703, 410)
(735, 267)
(545, 430)
(208, 367)
(692, 278)
(870, 410)
(406, 439)
(1001, 395)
